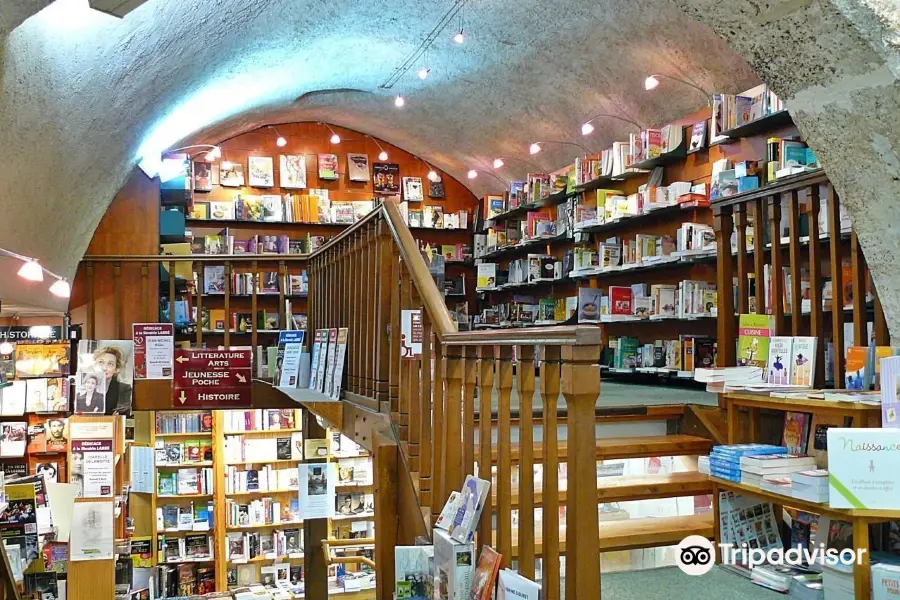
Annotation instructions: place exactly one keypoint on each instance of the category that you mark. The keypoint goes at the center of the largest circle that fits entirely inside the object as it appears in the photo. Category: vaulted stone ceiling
(85, 95)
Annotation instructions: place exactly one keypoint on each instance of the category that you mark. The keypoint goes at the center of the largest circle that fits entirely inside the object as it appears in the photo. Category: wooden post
(503, 356)
(581, 388)
(485, 391)
(759, 254)
(384, 249)
(776, 262)
(470, 371)
(816, 320)
(794, 255)
(727, 330)
(550, 385)
(439, 497)
(837, 286)
(386, 480)
(221, 542)
(426, 438)
(452, 375)
(525, 381)
(858, 274)
(862, 574)
(315, 565)
(740, 221)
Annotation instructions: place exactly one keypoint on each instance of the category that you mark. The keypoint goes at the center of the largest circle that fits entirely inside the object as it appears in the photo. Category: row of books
(183, 580)
(450, 252)
(535, 187)
(275, 544)
(183, 453)
(263, 511)
(771, 468)
(185, 482)
(281, 577)
(198, 516)
(689, 299)
(38, 395)
(269, 282)
(524, 310)
(240, 449)
(47, 434)
(190, 547)
(603, 206)
(433, 217)
(354, 504)
(260, 480)
(259, 419)
(686, 353)
(735, 110)
(652, 143)
(36, 360)
(511, 232)
(314, 207)
(186, 422)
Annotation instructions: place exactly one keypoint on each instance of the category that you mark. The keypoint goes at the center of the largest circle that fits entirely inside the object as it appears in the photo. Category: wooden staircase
(459, 390)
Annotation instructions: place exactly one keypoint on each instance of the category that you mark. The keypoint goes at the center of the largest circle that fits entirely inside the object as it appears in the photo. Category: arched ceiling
(84, 95)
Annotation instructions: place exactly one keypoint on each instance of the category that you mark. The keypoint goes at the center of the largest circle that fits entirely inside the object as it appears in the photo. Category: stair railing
(441, 403)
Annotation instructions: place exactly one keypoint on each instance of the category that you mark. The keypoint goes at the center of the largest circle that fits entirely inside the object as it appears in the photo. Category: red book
(485, 576)
(620, 300)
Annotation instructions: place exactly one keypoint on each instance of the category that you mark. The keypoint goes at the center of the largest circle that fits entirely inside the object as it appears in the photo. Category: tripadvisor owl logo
(695, 555)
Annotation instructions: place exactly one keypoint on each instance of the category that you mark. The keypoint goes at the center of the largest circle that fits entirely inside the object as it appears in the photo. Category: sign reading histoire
(212, 378)
(153, 347)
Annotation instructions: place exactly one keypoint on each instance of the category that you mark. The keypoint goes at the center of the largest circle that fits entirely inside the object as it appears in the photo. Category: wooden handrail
(329, 559)
(150, 258)
(572, 335)
(784, 184)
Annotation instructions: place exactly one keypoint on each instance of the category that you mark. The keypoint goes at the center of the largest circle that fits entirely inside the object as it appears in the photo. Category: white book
(13, 399)
(778, 370)
(803, 360)
(471, 503)
(445, 520)
(512, 586)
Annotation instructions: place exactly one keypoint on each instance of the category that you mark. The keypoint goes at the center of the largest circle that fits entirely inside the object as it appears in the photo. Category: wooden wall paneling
(740, 221)
(776, 264)
(795, 266)
(816, 321)
(858, 289)
(759, 253)
(727, 330)
(837, 287)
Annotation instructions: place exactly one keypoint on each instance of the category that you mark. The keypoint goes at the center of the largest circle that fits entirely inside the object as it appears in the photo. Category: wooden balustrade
(436, 399)
(805, 203)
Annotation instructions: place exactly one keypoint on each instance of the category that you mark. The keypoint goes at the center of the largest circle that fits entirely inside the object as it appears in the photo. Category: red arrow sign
(213, 398)
(218, 359)
(212, 378)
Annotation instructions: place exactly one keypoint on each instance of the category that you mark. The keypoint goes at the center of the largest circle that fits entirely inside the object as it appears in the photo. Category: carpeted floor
(669, 583)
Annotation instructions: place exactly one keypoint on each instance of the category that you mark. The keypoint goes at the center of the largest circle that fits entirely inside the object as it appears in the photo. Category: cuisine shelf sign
(213, 378)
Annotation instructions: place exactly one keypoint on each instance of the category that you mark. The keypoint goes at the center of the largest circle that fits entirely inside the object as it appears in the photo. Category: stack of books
(837, 579)
(810, 485)
(725, 461)
(757, 470)
(807, 587)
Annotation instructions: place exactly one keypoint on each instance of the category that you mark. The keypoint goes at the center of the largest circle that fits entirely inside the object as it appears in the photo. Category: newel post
(581, 388)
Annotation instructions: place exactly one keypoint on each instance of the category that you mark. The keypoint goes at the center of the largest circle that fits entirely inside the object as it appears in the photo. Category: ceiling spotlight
(61, 289)
(534, 148)
(472, 174)
(651, 82)
(226, 165)
(587, 129)
(281, 142)
(383, 155)
(459, 38)
(498, 163)
(6, 348)
(433, 176)
(399, 101)
(335, 138)
(423, 73)
(31, 270)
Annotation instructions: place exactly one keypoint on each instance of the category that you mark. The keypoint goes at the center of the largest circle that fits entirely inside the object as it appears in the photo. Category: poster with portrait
(387, 178)
(316, 493)
(114, 360)
(90, 393)
(92, 468)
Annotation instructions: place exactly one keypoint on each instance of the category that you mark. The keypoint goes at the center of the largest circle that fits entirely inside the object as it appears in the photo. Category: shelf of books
(256, 215)
(227, 505)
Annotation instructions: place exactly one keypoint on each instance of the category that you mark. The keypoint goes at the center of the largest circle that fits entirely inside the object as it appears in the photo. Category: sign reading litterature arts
(212, 378)
(154, 344)
(864, 468)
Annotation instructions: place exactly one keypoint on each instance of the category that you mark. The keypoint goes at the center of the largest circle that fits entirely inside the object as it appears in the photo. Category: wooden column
(740, 221)
(794, 254)
(726, 330)
(315, 566)
(759, 253)
(439, 497)
(452, 376)
(858, 287)
(862, 574)
(837, 286)
(426, 438)
(485, 391)
(816, 321)
(503, 371)
(470, 372)
(581, 388)
(550, 385)
(776, 271)
(385, 285)
(386, 480)
(525, 382)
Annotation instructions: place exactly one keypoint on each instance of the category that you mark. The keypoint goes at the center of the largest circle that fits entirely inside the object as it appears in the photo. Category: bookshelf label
(212, 378)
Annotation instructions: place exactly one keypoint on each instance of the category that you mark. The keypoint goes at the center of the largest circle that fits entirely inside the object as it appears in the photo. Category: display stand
(90, 580)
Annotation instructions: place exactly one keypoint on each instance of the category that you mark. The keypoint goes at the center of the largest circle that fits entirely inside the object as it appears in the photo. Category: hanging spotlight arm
(687, 83)
(611, 116)
(521, 160)
(23, 258)
(494, 175)
(586, 150)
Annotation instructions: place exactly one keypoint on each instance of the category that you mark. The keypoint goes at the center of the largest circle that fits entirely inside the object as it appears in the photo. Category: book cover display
(386, 178)
(754, 333)
(358, 167)
(864, 468)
